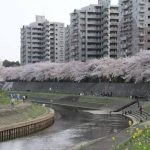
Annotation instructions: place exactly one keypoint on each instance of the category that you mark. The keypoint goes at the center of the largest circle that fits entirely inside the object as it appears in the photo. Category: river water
(71, 127)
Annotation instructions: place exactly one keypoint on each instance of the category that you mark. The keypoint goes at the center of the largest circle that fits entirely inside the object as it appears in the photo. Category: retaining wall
(117, 89)
(1, 84)
(26, 128)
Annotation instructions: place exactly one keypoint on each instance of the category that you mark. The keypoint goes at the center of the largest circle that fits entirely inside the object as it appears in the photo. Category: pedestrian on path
(23, 98)
(12, 103)
(141, 109)
(18, 96)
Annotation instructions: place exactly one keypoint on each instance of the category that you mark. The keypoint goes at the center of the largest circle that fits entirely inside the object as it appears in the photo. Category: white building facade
(134, 27)
(93, 32)
(67, 43)
(42, 41)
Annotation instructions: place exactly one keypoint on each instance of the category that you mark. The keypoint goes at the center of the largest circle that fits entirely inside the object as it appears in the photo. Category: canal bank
(121, 140)
(70, 128)
(106, 142)
(23, 119)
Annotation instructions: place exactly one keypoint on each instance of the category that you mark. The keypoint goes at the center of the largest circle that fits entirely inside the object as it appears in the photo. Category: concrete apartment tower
(134, 27)
(57, 42)
(1, 63)
(93, 32)
(67, 43)
(42, 41)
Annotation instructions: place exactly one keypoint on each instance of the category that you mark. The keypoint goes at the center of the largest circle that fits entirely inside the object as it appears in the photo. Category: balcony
(113, 41)
(93, 28)
(141, 34)
(141, 2)
(113, 35)
(141, 42)
(113, 52)
(141, 11)
(93, 22)
(124, 38)
(126, 6)
(92, 52)
(93, 34)
(114, 23)
(93, 40)
(93, 46)
(141, 19)
(113, 47)
(124, 46)
(125, 1)
(92, 16)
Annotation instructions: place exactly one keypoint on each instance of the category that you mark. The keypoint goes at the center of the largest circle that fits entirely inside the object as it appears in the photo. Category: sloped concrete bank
(100, 143)
(21, 129)
(116, 89)
(106, 142)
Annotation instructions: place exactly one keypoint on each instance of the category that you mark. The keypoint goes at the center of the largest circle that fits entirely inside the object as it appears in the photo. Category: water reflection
(70, 128)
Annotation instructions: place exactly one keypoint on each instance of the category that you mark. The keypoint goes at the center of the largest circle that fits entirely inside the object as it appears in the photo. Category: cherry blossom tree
(131, 69)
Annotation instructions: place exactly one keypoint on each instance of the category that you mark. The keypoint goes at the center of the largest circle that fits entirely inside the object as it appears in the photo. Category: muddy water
(71, 127)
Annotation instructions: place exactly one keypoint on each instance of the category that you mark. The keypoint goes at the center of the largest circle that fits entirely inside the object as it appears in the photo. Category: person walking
(12, 103)
(141, 109)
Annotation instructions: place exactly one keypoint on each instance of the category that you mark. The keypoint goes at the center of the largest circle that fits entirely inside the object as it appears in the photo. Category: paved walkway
(106, 143)
(9, 108)
(21, 113)
(10, 116)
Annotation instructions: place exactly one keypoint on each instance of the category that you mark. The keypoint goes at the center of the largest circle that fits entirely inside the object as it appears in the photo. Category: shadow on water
(71, 127)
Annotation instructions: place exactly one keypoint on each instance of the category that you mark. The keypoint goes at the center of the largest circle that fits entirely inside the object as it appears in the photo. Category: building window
(141, 8)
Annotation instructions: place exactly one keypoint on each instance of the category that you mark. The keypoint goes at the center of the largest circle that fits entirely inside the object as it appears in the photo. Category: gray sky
(16, 13)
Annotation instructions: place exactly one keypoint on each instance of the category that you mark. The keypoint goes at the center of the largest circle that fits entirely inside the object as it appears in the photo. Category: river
(71, 127)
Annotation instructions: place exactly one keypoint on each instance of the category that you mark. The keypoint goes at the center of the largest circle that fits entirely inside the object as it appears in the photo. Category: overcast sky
(16, 13)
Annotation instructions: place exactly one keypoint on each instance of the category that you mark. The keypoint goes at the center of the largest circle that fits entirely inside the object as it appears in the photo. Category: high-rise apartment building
(57, 42)
(42, 41)
(134, 26)
(1, 63)
(67, 43)
(114, 14)
(93, 32)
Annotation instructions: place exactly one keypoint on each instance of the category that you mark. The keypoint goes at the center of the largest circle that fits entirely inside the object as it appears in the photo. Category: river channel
(71, 127)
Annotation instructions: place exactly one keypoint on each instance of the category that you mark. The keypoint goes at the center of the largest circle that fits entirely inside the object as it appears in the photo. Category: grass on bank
(21, 111)
(32, 111)
(4, 99)
(24, 112)
(139, 136)
(100, 100)
(147, 108)
(83, 99)
(139, 140)
(53, 96)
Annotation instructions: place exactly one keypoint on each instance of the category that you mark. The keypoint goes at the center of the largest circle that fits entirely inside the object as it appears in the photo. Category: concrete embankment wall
(26, 128)
(117, 89)
(1, 84)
